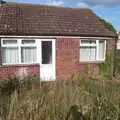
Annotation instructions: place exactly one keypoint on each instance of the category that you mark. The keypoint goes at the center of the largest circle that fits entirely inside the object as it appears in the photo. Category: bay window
(92, 50)
(18, 51)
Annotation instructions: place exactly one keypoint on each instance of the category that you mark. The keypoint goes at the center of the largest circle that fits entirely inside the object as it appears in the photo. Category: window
(46, 52)
(19, 51)
(118, 44)
(92, 50)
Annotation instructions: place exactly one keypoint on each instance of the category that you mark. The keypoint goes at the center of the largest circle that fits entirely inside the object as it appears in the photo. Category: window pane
(93, 53)
(87, 53)
(28, 54)
(88, 41)
(101, 49)
(46, 52)
(28, 41)
(118, 44)
(84, 53)
(10, 55)
(9, 42)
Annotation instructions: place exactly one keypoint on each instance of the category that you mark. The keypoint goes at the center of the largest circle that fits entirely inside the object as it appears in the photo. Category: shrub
(107, 67)
(9, 86)
(15, 84)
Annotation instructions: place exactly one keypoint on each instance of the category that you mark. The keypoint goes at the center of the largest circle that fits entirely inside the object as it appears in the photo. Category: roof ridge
(35, 4)
(38, 19)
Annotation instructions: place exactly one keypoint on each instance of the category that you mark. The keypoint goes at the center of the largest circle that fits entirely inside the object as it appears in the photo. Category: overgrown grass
(96, 99)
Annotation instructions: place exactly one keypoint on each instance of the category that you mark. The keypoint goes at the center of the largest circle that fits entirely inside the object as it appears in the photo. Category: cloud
(99, 3)
(82, 5)
(55, 2)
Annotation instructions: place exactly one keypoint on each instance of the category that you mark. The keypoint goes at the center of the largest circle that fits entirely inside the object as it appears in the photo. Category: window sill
(18, 65)
(91, 62)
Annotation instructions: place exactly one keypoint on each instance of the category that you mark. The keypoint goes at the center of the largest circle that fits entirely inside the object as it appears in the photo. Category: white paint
(97, 50)
(96, 45)
(118, 44)
(48, 71)
(105, 50)
(14, 36)
(19, 45)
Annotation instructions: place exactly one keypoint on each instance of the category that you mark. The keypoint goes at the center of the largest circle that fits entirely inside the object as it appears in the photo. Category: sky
(107, 9)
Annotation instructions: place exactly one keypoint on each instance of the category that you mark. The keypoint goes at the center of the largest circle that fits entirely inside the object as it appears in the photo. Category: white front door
(47, 63)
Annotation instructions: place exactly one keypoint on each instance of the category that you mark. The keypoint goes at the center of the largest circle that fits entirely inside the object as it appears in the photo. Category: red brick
(67, 60)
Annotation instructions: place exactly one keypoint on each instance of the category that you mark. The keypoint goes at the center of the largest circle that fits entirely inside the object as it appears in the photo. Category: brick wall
(67, 57)
(111, 44)
(19, 71)
(67, 60)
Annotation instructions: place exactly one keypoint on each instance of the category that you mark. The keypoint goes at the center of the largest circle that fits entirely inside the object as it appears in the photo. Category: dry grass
(96, 98)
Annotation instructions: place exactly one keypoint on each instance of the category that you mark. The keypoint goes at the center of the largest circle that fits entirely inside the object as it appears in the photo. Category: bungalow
(52, 42)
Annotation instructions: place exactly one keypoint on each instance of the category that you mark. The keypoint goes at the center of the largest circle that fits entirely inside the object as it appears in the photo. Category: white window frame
(118, 44)
(97, 49)
(20, 45)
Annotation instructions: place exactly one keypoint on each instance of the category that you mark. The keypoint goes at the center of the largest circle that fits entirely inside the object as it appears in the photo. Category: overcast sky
(107, 9)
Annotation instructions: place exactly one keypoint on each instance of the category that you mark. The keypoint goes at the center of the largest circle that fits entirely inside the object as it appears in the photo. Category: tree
(108, 25)
(2, 2)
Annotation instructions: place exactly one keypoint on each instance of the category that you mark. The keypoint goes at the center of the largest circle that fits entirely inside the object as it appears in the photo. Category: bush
(9, 86)
(14, 84)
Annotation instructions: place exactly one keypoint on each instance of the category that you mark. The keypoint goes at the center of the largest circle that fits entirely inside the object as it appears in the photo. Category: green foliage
(14, 84)
(117, 64)
(108, 25)
(107, 67)
(9, 86)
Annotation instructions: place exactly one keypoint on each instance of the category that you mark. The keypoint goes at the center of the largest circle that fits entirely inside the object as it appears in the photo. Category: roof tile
(29, 19)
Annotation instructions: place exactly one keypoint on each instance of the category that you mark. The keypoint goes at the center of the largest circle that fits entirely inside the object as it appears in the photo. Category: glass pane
(87, 53)
(118, 44)
(88, 41)
(93, 53)
(46, 52)
(118, 41)
(9, 42)
(84, 53)
(10, 55)
(28, 55)
(101, 49)
(28, 41)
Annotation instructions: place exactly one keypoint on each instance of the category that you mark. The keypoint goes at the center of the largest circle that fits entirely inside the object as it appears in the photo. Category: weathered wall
(67, 61)
(67, 56)
(18, 71)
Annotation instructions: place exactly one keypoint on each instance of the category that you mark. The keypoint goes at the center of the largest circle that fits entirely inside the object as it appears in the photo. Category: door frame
(39, 55)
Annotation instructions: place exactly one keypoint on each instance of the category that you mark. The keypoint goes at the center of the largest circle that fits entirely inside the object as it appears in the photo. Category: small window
(88, 42)
(10, 55)
(88, 53)
(92, 50)
(118, 44)
(28, 54)
(19, 51)
(28, 41)
(9, 42)
(101, 50)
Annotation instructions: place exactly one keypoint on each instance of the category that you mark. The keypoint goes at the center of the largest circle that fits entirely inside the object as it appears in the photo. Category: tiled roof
(29, 19)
